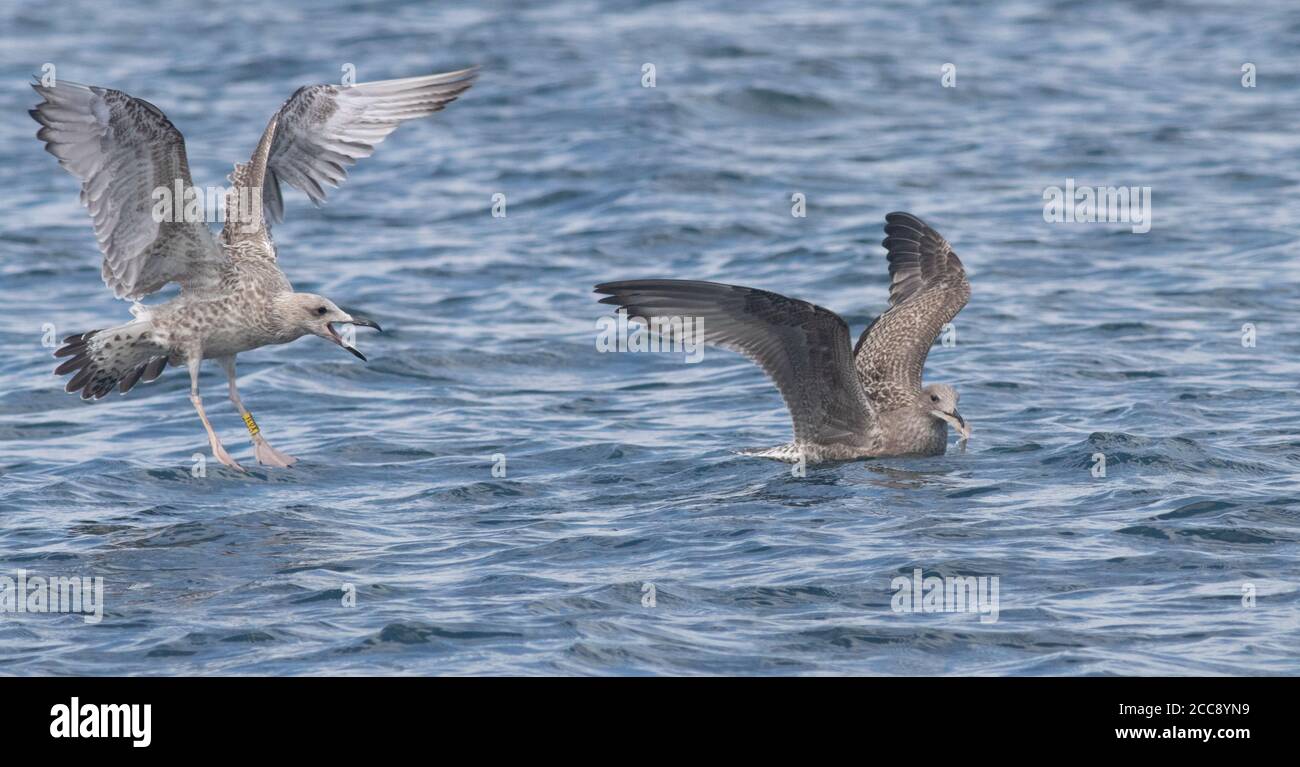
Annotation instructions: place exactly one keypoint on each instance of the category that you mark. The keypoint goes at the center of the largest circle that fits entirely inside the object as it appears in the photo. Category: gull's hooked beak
(360, 322)
(954, 418)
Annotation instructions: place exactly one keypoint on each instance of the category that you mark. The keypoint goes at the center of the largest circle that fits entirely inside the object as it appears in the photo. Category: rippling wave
(626, 536)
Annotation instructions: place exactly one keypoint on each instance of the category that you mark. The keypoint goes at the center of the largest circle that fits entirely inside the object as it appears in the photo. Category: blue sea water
(621, 477)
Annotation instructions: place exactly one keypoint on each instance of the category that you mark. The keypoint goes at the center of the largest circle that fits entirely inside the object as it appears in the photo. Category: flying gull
(846, 402)
(233, 297)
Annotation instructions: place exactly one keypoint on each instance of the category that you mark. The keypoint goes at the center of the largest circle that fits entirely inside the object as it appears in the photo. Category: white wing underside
(323, 129)
(122, 149)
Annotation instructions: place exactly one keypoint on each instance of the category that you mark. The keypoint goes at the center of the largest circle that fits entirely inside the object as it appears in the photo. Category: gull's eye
(320, 311)
(934, 397)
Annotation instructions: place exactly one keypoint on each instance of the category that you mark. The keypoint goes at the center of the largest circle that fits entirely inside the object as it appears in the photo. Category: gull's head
(319, 316)
(941, 400)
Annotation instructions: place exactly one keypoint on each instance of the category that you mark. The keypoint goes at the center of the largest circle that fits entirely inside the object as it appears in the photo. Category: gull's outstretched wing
(245, 233)
(803, 348)
(928, 286)
(122, 149)
(322, 129)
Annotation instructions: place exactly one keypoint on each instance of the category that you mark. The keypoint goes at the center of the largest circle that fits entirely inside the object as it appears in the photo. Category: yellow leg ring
(251, 424)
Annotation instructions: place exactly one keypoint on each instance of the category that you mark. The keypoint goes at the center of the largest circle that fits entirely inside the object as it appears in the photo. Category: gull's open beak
(362, 322)
(954, 418)
(359, 322)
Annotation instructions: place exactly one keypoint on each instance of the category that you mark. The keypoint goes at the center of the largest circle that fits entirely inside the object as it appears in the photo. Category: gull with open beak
(234, 297)
(335, 316)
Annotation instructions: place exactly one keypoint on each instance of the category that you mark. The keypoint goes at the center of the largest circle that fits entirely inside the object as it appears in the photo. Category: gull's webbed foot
(269, 456)
(220, 454)
(266, 455)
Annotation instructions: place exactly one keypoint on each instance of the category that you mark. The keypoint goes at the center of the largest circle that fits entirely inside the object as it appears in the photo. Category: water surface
(620, 468)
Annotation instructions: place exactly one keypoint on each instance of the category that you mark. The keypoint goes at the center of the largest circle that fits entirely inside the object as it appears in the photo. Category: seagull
(864, 401)
(233, 297)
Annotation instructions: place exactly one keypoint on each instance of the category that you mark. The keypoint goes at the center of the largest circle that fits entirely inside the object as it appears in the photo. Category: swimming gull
(233, 295)
(846, 402)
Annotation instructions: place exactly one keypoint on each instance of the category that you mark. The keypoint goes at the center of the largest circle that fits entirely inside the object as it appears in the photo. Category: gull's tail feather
(113, 357)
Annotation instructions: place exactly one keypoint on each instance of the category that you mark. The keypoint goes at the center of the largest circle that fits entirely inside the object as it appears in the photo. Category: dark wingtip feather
(73, 346)
(131, 378)
(612, 289)
(908, 226)
(76, 363)
(79, 380)
(154, 369)
(902, 216)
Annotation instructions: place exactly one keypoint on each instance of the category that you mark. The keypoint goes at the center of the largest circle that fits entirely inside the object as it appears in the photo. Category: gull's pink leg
(218, 451)
(266, 454)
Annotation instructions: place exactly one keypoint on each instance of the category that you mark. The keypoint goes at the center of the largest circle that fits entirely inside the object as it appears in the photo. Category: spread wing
(123, 150)
(928, 286)
(245, 233)
(323, 129)
(803, 348)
